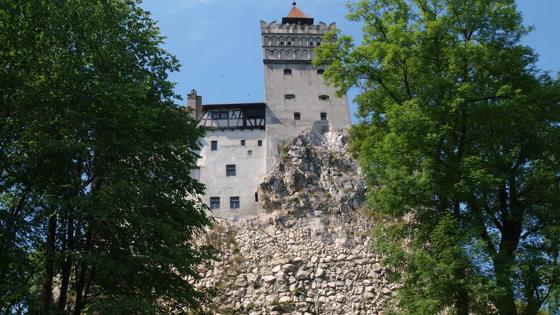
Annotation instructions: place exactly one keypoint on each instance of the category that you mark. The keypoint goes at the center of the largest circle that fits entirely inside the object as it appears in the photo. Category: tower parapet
(294, 39)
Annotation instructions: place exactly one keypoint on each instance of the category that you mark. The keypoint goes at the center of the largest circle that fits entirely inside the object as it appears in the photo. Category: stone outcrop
(315, 174)
(310, 252)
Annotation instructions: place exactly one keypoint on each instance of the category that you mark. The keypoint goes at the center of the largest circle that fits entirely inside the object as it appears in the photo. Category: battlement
(291, 28)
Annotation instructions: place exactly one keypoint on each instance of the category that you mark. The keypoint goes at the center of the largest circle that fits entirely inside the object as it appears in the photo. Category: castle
(244, 140)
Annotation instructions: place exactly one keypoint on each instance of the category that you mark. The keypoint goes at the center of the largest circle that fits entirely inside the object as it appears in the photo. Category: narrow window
(214, 202)
(281, 43)
(242, 143)
(230, 170)
(234, 202)
(220, 115)
(250, 152)
(289, 96)
(297, 116)
(323, 116)
(320, 71)
(289, 43)
(259, 143)
(324, 97)
(256, 197)
(214, 145)
(287, 71)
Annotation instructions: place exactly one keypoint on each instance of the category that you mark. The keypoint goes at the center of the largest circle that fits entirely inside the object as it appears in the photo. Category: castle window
(310, 43)
(214, 202)
(220, 115)
(320, 71)
(297, 116)
(242, 142)
(324, 97)
(231, 170)
(281, 43)
(214, 145)
(256, 197)
(287, 71)
(234, 202)
(323, 116)
(289, 96)
(289, 43)
(250, 152)
(259, 143)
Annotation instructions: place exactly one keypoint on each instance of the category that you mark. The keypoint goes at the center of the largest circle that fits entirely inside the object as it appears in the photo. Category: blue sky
(219, 46)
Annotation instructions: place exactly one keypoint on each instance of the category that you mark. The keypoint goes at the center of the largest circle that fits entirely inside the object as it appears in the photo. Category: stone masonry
(311, 253)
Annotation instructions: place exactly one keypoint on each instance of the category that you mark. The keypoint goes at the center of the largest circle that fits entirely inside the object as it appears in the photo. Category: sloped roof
(296, 13)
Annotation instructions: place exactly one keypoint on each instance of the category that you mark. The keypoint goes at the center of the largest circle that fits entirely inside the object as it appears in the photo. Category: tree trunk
(505, 302)
(503, 265)
(66, 267)
(81, 277)
(48, 272)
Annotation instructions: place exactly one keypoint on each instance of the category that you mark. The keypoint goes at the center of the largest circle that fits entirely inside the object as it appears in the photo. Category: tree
(98, 212)
(459, 140)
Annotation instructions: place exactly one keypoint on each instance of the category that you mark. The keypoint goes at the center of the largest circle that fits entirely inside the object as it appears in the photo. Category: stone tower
(243, 140)
(296, 94)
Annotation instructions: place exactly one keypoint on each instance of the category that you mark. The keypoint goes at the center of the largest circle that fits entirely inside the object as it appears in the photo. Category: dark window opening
(256, 197)
(234, 203)
(214, 202)
(281, 43)
(310, 43)
(289, 96)
(214, 145)
(243, 142)
(287, 71)
(320, 71)
(259, 143)
(297, 116)
(289, 43)
(231, 170)
(323, 116)
(250, 152)
(324, 97)
(220, 115)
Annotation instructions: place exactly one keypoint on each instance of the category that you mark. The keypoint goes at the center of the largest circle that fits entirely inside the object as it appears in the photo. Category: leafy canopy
(96, 199)
(459, 140)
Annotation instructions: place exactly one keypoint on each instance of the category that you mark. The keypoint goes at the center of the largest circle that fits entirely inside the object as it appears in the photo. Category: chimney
(194, 101)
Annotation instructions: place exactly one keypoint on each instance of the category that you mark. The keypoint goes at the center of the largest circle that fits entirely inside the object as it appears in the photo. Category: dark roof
(233, 105)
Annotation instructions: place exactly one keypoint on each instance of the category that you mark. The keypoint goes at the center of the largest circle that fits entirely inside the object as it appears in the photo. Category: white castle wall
(307, 86)
(250, 170)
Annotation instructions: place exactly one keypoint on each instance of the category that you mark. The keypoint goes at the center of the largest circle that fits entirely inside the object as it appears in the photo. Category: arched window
(320, 71)
(287, 71)
(324, 97)
(289, 96)
(323, 116)
(297, 116)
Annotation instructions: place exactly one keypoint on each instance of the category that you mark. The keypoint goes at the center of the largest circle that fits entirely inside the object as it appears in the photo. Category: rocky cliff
(315, 174)
(310, 252)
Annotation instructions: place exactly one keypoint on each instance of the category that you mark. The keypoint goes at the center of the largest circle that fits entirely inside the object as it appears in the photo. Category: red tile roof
(296, 13)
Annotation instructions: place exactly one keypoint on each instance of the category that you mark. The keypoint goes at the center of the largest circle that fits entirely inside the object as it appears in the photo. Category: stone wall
(311, 253)
(280, 264)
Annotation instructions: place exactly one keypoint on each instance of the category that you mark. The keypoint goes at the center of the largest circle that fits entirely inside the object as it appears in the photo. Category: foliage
(96, 199)
(459, 141)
